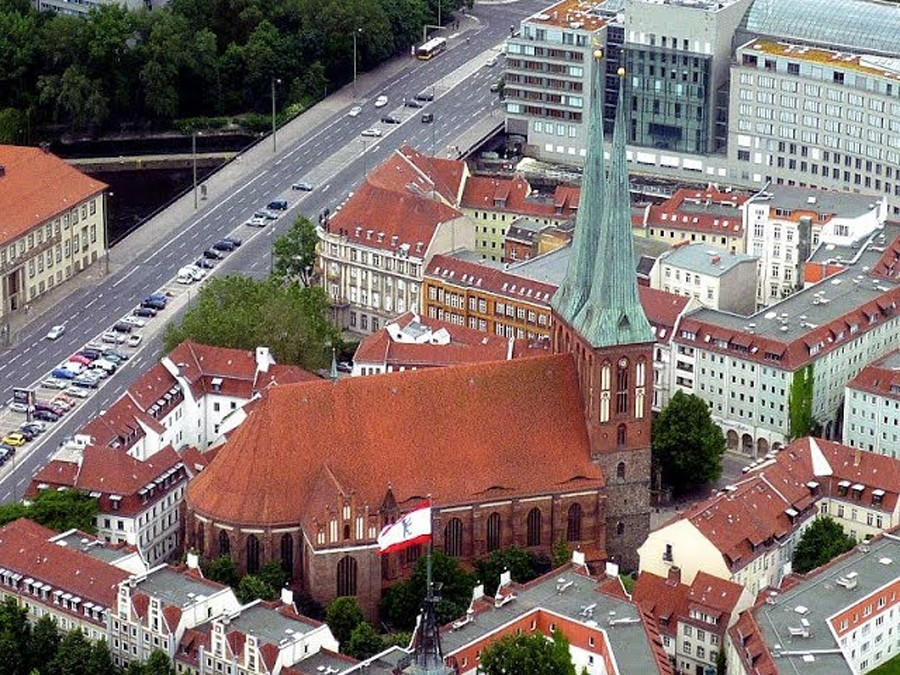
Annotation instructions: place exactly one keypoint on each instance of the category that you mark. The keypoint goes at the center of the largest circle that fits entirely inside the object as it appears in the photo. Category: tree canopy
(59, 510)
(822, 541)
(343, 616)
(528, 655)
(294, 253)
(523, 567)
(687, 445)
(243, 313)
(191, 58)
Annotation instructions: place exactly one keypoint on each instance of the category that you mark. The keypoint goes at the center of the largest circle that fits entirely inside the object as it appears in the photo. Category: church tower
(598, 318)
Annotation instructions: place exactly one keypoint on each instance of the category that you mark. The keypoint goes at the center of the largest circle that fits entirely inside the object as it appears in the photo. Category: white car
(78, 392)
(381, 101)
(354, 111)
(257, 221)
(55, 333)
(18, 407)
(134, 340)
(371, 133)
(54, 383)
(113, 338)
(134, 321)
(197, 272)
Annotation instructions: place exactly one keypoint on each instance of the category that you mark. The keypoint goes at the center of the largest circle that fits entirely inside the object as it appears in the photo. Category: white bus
(431, 48)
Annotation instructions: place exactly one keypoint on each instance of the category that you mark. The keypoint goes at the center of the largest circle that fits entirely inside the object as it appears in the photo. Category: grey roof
(823, 597)
(268, 625)
(843, 204)
(851, 24)
(891, 361)
(815, 305)
(384, 663)
(628, 639)
(704, 259)
(91, 546)
(173, 588)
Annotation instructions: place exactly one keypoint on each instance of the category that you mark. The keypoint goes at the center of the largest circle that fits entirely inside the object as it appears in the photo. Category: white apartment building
(785, 225)
(811, 343)
(842, 618)
(872, 407)
(715, 278)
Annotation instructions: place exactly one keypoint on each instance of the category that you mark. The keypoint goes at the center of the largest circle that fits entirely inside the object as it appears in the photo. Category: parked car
(105, 365)
(135, 321)
(61, 373)
(55, 333)
(237, 241)
(112, 338)
(90, 353)
(212, 254)
(354, 111)
(63, 398)
(185, 278)
(28, 434)
(97, 373)
(79, 358)
(15, 406)
(45, 415)
(158, 305)
(371, 132)
(391, 119)
(223, 245)
(36, 428)
(425, 95)
(134, 340)
(160, 297)
(86, 381)
(196, 273)
(205, 264)
(78, 392)
(112, 354)
(257, 221)
(44, 406)
(381, 101)
(122, 327)
(345, 366)
(94, 344)
(54, 383)
(146, 312)
(63, 405)
(303, 186)
(412, 103)
(277, 205)
(15, 439)
(5, 455)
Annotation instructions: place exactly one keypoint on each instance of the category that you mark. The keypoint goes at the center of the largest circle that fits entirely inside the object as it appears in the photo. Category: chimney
(674, 576)
(193, 561)
(857, 456)
(287, 597)
(733, 252)
(2, 171)
(263, 359)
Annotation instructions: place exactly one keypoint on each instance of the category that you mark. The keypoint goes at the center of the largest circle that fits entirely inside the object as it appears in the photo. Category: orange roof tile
(25, 548)
(714, 594)
(448, 175)
(709, 210)
(663, 598)
(37, 186)
(515, 195)
(437, 420)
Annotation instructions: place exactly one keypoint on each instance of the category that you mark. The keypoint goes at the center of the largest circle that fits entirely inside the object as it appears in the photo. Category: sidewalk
(158, 229)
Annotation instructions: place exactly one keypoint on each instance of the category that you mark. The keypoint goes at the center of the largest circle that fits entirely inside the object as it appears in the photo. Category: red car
(80, 358)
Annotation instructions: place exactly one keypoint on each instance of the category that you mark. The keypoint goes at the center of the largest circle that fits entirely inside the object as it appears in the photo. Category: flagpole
(430, 548)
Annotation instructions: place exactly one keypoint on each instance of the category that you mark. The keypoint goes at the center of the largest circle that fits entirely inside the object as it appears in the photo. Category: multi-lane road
(333, 157)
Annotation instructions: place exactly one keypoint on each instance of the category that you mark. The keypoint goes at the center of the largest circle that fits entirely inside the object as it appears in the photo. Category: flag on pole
(413, 528)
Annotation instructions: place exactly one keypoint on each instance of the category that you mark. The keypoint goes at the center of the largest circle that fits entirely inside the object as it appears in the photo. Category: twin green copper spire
(598, 297)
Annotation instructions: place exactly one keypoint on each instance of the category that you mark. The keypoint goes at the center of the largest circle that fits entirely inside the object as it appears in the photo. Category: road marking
(135, 269)
(325, 189)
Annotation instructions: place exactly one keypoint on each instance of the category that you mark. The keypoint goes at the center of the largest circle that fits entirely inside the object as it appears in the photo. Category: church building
(525, 452)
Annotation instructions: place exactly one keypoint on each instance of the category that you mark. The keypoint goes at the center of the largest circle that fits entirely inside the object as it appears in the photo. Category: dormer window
(877, 497)
(216, 384)
(843, 488)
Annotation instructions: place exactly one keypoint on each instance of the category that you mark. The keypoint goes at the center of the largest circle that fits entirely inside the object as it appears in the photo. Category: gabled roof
(447, 175)
(451, 270)
(663, 598)
(37, 186)
(881, 378)
(25, 548)
(389, 428)
(710, 210)
(515, 195)
(713, 595)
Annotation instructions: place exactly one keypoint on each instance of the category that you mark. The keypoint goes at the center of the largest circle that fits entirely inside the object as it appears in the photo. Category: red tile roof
(448, 175)
(663, 598)
(25, 548)
(713, 595)
(662, 310)
(879, 379)
(397, 204)
(465, 274)
(685, 211)
(466, 345)
(37, 186)
(515, 195)
(437, 419)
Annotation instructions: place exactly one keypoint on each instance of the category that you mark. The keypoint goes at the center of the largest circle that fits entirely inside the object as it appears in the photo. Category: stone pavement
(160, 227)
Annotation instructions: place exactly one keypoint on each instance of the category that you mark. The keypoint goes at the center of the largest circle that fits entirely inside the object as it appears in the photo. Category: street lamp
(194, 135)
(275, 81)
(355, 34)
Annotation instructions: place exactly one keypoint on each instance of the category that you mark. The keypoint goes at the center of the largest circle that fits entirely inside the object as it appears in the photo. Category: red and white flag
(413, 528)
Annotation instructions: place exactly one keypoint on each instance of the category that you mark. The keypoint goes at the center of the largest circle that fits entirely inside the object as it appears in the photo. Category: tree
(15, 635)
(364, 642)
(822, 541)
(63, 510)
(222, 570)
(342, 616)
(561, 554)
(721, 667)
(402, 602)
(158, 663)
(45, 639)
(73, 656)
(687, 445)
(242, 313)
(523, 566)
(273, 574)
(100, 660)
(528, 655)
(294, 252)
(253, 588)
